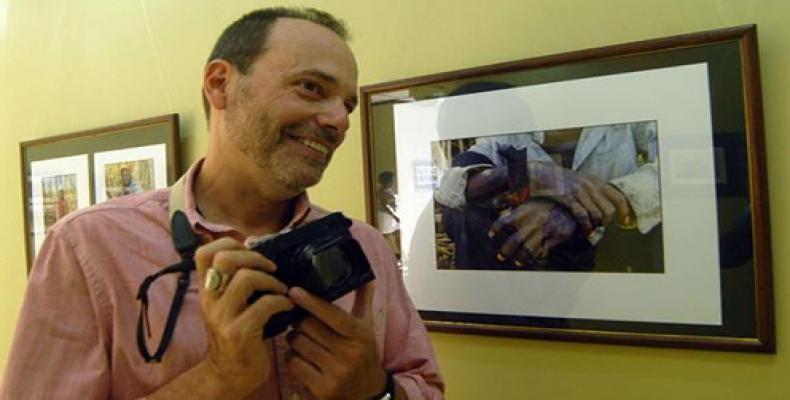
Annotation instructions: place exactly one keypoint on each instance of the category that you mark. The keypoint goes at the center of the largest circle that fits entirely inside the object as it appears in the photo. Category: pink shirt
(75, 338)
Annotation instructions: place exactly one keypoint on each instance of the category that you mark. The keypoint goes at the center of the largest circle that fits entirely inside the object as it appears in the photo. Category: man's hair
(244, 40)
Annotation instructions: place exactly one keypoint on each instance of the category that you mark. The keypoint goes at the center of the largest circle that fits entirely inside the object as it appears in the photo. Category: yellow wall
(68, 65)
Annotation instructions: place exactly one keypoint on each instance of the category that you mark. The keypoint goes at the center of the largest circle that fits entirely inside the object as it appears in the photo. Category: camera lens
(332, 266)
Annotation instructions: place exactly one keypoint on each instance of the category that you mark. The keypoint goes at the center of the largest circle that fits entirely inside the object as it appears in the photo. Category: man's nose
(335, 116)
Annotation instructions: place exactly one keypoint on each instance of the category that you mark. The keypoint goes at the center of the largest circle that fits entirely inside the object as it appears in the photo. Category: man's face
(126, 176)
(289, 113)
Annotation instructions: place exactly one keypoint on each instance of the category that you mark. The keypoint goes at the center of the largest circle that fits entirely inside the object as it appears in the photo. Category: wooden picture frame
(66, 172)
(690, 105)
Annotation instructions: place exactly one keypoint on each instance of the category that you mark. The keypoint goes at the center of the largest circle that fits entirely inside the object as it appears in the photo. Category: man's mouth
(318, 151)
(314, 145)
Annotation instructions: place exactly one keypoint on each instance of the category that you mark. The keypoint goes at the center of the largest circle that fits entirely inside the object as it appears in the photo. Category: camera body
(320, 256)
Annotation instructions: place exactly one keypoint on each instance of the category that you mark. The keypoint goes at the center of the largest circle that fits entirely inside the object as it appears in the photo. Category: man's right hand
(592, 201)
(237, 353)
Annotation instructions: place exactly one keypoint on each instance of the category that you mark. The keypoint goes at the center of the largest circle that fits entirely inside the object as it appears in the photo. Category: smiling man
(278, 89)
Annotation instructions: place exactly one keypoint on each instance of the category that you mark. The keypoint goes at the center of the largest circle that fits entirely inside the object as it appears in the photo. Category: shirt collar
(301, 211)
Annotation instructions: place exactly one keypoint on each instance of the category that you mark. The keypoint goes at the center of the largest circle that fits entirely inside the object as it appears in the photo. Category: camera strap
(186, 243)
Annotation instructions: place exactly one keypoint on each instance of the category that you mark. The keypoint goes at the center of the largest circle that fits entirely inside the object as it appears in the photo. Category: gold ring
(216, 280)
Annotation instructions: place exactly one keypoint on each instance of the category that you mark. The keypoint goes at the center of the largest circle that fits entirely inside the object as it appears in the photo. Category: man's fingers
(205, 254)
(515, 241)
(309, 349)
(620, 202)
(228, 255)
(363, 302)
(319, 332)
(586, 200)
(602, 199)
(502, 224)
(508, 220)
(305, 372)
(524, 259)
(331, 315)
(582, 217)
(536, 244)
(607, 209)
(531, 249)
(243, 283)
(255, 317)
(243, 258)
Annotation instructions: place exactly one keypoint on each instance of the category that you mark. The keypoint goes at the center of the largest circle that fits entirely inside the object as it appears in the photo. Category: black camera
(320, 256)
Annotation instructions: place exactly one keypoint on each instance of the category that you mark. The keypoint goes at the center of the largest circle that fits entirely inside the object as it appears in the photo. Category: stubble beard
(265, 143)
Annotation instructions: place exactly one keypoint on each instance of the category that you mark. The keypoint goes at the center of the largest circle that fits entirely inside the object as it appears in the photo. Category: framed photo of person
(132, 170)
(58, 186)
(613, 195)
(67, 172)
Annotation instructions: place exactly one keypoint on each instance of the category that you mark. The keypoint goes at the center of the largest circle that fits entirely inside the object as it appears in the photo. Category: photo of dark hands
(530, 231)
(592, 201)
(577, 199)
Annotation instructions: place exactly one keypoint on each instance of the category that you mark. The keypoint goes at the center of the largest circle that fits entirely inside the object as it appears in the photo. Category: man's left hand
(531, 230)
(334, 352)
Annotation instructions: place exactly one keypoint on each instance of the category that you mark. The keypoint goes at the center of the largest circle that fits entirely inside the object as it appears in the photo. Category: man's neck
(239, 200)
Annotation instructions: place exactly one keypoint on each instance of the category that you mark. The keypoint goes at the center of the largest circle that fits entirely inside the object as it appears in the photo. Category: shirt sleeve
(642, 191)
(641, 187)
(406, 348)
(59, 350)
(452, 188)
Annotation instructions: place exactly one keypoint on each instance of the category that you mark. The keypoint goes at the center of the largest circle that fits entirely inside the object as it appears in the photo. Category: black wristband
(389, 389)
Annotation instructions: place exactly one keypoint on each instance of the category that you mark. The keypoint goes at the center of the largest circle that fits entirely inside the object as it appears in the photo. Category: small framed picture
(67, 172)
(126, 171)
(58, 187)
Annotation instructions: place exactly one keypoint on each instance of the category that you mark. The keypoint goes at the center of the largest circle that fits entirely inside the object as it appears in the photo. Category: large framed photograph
(614, 195)
(63, 173)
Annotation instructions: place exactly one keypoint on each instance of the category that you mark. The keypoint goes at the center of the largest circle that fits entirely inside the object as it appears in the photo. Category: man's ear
(215, 83)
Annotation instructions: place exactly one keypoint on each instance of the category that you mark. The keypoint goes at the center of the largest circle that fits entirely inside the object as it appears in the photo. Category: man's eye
(311, 87)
